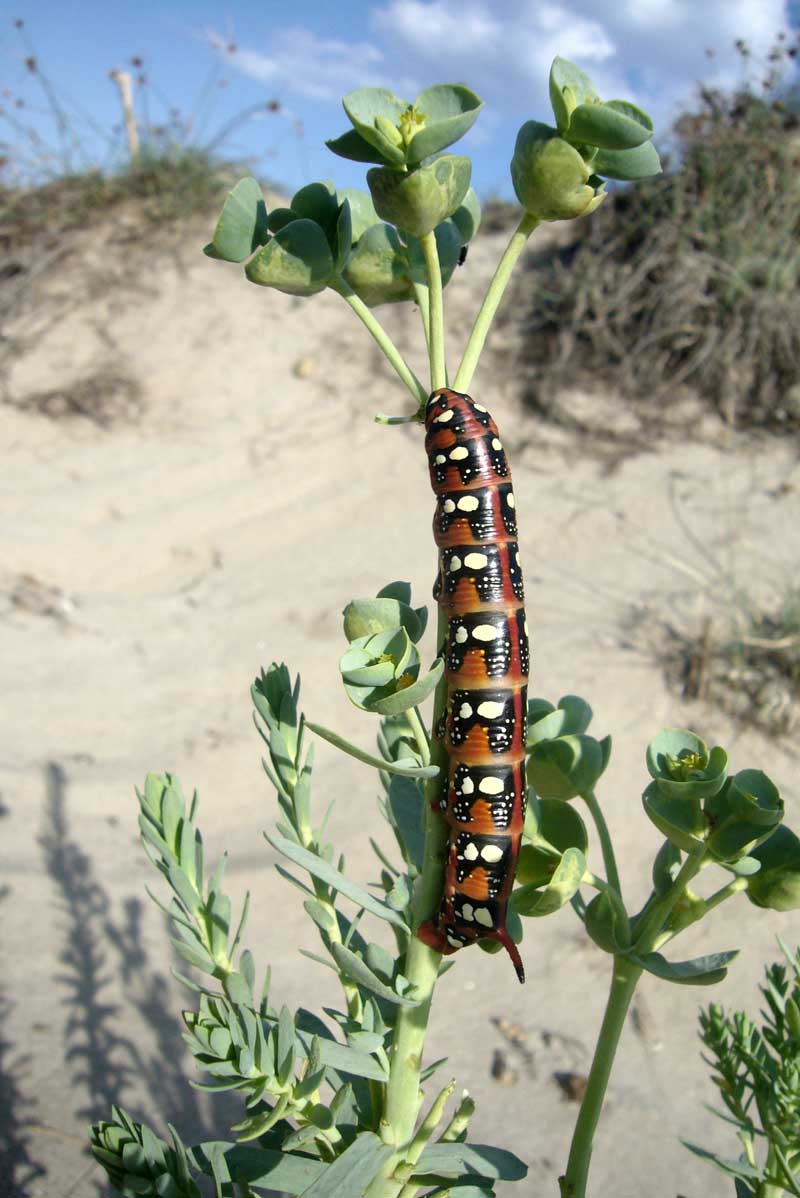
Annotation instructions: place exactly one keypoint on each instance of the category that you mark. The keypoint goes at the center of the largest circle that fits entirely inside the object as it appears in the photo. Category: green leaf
(572, 717)
(777, 884)
(551, 827)
(565, 882)
(569, 86)
(297, 261)
(379, 960)
(364, 105)
(355, 147)
(279, 217)
(407, 808)
(451, 110)
(495, 1164)
(242, 226)
(615, 125)
(702, 971)
(354, 968)
(680, 820)
(607, 923)
(260, 1167)
(369, 617)
(343, 242)
(639, 163)
(421, 199)
(362, 210)
(350, 1174)
(350, 1061)
(317, 202)
(410, 696)
(666, 867)
(739, 1168)
(566, 766)
(378, 269)
(405, 766)
(333, 878)
(467, 217)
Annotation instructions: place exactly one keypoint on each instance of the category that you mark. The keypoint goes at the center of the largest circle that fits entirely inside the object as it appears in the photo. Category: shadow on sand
(98, 947)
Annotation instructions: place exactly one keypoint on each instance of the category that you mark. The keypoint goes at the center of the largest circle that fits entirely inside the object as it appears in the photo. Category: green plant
(690, 281)
(334, 1108)
(757, 1072)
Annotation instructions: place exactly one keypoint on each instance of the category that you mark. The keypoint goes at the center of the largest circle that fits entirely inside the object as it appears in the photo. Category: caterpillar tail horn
(429, 934)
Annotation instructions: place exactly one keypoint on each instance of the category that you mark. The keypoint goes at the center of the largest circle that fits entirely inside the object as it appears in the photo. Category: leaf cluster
(312, 1091)
(756, 1070)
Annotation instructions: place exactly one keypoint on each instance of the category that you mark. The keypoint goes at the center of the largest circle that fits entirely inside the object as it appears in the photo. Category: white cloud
(652, 51)
(301, 64)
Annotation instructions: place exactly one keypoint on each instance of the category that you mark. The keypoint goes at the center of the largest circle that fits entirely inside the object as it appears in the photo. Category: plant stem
(626, 974)
(609, 860)
(384, 341)
(403, 1097)
(436, 317)
(420, 735)
(491, 301)
(654, 917)
(725, 892)
(623, 983)
(423, 303)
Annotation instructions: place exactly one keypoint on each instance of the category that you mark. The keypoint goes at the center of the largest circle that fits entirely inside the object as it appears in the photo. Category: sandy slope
(151, 567)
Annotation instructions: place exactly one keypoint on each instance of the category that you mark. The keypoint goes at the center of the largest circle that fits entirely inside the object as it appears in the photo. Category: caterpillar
(479, 590)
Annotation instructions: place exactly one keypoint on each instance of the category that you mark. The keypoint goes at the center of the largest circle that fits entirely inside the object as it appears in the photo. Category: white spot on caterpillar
(443, 417)
(476, 561)
(490, 786)
(440, 459)
(459, 453)
(467, 912)
(509, 497)
(449, 506)
(465, 711)
(471, 852)
(491, 853)
(525, 625)
(485, 632)
(479, 407)
(468, 503)
(490, 710)
(455, 563)
(461, 635)
(467, 786)
(451, 940)
(483, 916)
(496, 443)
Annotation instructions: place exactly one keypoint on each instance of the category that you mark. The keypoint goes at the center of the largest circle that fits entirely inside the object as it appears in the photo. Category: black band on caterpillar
(479, 590)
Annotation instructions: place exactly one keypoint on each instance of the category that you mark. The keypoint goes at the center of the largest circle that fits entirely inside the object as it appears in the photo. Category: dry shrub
(688, 284)
(748, 666)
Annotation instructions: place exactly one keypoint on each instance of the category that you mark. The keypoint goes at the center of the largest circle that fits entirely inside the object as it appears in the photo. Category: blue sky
(308, 55)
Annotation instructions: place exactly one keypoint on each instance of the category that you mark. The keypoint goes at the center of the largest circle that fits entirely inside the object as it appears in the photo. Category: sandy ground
(150, 568)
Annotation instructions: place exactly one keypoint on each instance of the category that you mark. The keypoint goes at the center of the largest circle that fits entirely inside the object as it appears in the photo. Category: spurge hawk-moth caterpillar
(479, 590)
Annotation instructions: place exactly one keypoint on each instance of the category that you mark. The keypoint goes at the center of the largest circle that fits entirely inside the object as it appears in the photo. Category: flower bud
(550, 177)
(777, 884)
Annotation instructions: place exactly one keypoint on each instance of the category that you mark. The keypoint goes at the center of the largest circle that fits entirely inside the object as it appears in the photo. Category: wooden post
(123, 82)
